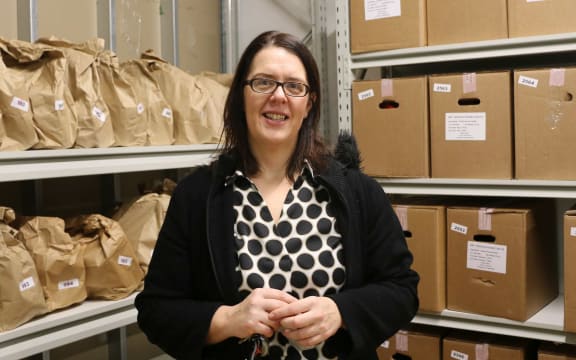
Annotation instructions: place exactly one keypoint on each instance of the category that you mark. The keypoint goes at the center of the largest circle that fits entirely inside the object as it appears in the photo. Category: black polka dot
(274, 247)
(283, 229)
(248, 213)
(313, 211)
(255, 281)
(293, 245)
(243, 229)
(324, 226)
(277, 282)
(245, 262)
(298, 279)
(243, 183)
(304, 195)
(298, 183)
(326, 258)
(339, 276)
(305, 261)
(265, 214)
(275, 352)
(265, 265)
(314, 243)
(311, 292)
(340, 256)
(333, 241)
(254, 198)
(322, 195)
(294, 211)
(285, 263)
(293, 354)
(237, 198)
(289, 198)
(282, 339)
(239, 243)
(261, 230)
(303, 227)
(330, 210)
(310, 354)
(330, 291)
(320, 278)
(254, 247)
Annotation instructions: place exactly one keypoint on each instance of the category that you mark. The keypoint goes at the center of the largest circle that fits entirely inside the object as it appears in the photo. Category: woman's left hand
(308, 321)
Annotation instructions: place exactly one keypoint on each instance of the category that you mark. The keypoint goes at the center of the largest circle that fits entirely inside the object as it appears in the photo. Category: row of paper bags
(48, 263)
(56, 94)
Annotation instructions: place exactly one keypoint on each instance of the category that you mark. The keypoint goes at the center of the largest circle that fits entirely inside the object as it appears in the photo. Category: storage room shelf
(532, 45)
(65, 326)
(547, 324)
(480, 187)
(42, 164)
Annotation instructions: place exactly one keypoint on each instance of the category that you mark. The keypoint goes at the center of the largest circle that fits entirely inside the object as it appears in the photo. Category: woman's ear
(311, 101)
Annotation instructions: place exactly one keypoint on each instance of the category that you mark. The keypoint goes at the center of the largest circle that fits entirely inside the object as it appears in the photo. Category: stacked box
(417, 342)
(470, 345)
(536, 17)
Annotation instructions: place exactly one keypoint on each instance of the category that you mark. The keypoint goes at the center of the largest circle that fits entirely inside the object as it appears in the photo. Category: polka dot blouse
(301, 254)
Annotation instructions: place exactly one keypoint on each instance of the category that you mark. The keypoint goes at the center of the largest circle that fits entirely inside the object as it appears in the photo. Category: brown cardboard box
(390, 122)
(528, 18)
(471, 345)
(457, 21)
(545, 123)
(502, 251)
(471, 126)
(425, 230)
(553, 351)
(386, 24)
(570, 270)
(416, 342)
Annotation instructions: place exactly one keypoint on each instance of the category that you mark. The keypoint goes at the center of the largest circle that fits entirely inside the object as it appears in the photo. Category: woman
(277, 237)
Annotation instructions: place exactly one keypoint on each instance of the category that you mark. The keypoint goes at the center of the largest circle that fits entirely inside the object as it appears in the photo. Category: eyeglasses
(268, 86)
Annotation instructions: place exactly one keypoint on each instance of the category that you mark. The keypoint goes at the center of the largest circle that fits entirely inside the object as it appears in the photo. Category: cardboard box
(569, 227)
(471, 126)
(386, 24)
(390, 123)
(529, 17)
(554, 351)
(545, 123)
(471, 345)
(416, 342)
(502, 258)
(425, 231)
(457, 21)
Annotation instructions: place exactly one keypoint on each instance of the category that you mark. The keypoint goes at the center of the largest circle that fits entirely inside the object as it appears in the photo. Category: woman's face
(275, 119)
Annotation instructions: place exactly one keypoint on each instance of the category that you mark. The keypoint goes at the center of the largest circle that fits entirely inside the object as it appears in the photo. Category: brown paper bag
(21, 297)
(141, 220)
(187, 99)
(112, 270)
(156, 109)
(94, 125)
(126, 111)
(43, 72)
(17, 126)
(59, 261)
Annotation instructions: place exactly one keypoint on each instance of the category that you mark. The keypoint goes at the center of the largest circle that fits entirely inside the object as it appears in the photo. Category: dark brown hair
(309, 145)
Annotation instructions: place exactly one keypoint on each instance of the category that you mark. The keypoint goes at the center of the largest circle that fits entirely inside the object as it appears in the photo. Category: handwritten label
(365, 94)
(20, 104)
(124, 260)
(27, 283)
(68, 284)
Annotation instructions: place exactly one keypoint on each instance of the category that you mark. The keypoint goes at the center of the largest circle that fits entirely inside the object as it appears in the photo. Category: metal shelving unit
(547, 324)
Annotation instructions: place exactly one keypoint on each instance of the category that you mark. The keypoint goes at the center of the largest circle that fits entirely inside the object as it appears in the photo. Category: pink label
(557, 77)
(402, 214)
(387, 87)
(482, 352)
(485, 219)
(401, 342)
(469, 83)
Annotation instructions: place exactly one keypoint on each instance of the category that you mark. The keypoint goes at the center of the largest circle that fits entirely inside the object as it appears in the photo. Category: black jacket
(192, 269)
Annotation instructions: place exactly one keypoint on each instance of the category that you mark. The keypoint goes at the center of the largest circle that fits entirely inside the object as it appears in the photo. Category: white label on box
(27, 283)
(381, 9)
(140, 108)
(486, 257)
(365, 94)
(529, 1)
(385, 344)
(20, 104)
(68, 284)
(572, 231)
(59, 105)
(462, 229)
(443, 88)
(167, 113)
(470, 126)
(527, 81)
(99, 114)
(458, 355)
(124, 260)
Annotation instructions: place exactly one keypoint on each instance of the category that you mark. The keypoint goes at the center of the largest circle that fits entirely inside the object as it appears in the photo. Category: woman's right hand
(249, 316)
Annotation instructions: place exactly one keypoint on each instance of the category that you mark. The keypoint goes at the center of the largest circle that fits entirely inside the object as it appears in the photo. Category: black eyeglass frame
(278, 83)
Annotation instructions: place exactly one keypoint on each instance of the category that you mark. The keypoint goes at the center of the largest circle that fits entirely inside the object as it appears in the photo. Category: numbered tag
(27, 283)
(20, 104)
(68, 284)
(124, 260)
